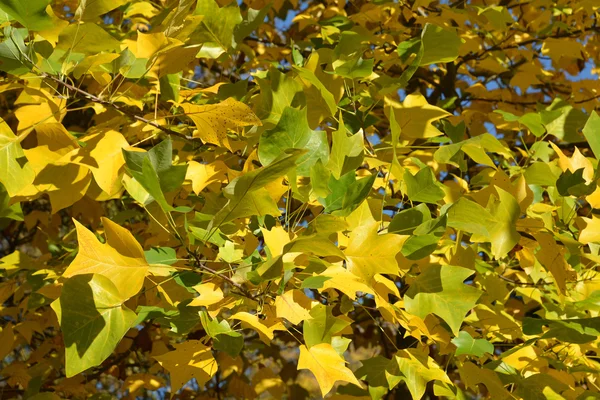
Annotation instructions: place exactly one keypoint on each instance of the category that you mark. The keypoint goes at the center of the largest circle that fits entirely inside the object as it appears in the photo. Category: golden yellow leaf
(345, 281)
(213, 120)
(577, 161)
(189, 360)
(53, 142)
(369, 253)
(552, 257)
(121, 258)
(103, 155)
(275, 239)
(65, 184)
(203, 175)
(327, 366)
(590, 230)
(265, 332)
(209, 294)
(415, 116)
(294, 306)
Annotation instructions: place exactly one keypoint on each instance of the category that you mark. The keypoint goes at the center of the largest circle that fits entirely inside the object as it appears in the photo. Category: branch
(202, 266)
(117, 107)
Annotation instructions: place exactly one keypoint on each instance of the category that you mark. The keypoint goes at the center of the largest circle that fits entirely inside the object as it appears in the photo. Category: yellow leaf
(35, 114)
(275, 239)
(53, 142)
(189, 360)
(577, 161)
(294, 306)
(327, 366)
(415, 116)
(7, 340)
(369, 253)
(15, 172)
(265, 332)
(103, 155)
(64, 183)
(590, 230)
(213, 120)
(135, 382)
(121, 258)
(203, 175)
(552, 257)
(265, 380)
(209, 294)
(345, 281)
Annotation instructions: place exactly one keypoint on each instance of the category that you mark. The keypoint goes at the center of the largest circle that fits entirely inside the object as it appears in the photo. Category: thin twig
(117, 107)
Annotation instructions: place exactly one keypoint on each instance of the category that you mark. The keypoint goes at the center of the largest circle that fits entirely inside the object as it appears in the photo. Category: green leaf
(247, 191)
(254, 18)
(533, 121)
(347, 151)
(498, 225)
(422, 187)
(347, 193)
(155, 171)
(440, 45)
(354, 68)
(276, 94)
(310, 76)
(415, 368)
(181, 320)
(542, 173)
(216, 28)
(591, 131)
(30, 13)
(564, 121)
(87, 38)
(468, 216)
(418, 247)
(465, 344)
(93, 320)
(292, 132)
(169, 87)
(9, 211)
(322, 326)
(406, 221)
(576, 330)
(314, 282)
(161, 255)
(504, 235)
(573, 184)
(319, 178)
(373, 370)
(440, 290)
(224, 338)
(14, 53)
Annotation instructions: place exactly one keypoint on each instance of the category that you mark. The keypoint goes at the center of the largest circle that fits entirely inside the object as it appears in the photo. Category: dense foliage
(299, 199)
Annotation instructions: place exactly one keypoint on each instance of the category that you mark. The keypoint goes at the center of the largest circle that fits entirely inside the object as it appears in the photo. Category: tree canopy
(253, 199)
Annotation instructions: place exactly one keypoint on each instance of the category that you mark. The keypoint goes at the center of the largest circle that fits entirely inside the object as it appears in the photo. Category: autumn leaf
(326, 365)
(370, 253)
(213, 120)
(440, 290)
(189, 360)
(120, 259)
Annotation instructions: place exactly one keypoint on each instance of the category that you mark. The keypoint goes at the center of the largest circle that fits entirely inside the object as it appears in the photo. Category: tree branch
(117, 107)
